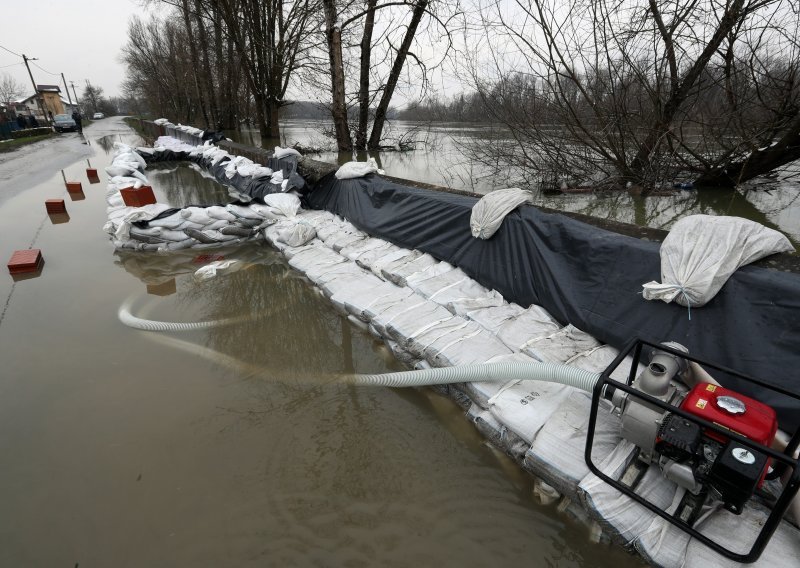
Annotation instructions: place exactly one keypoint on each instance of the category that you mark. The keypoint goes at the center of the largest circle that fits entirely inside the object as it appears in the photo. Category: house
(51, 99)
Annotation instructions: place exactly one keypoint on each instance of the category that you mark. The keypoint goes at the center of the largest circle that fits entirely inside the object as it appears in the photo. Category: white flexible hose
(126, 317)
(546, 372)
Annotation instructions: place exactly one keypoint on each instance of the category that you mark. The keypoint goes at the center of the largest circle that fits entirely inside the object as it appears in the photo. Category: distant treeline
(464, 107)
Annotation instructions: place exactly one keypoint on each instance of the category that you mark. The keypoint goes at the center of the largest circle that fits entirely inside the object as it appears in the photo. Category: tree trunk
(195, 64)
(338, 107)
(208, 80)
(363, 89)
(679, 92)
(760, 162)
(394, 75)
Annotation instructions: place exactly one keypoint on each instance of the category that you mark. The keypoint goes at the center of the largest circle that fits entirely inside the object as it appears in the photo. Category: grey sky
(80, 38)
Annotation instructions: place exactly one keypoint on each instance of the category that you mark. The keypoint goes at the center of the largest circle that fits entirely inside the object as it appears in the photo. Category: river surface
(231, 446)
(444, 156)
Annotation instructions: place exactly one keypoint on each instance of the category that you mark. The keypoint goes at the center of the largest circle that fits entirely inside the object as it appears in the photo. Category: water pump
(710, 440)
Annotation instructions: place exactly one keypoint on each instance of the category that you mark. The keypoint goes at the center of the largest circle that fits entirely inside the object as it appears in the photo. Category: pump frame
(606, 384)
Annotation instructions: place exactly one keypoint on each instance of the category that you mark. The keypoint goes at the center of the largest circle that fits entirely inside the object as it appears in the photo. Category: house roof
(48, 88)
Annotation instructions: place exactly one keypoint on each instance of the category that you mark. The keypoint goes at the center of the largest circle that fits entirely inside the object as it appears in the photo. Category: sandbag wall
(433, 313)
(260, 197)
(591, 278)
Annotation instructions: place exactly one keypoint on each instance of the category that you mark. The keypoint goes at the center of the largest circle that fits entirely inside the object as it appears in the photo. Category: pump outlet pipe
(546, 372)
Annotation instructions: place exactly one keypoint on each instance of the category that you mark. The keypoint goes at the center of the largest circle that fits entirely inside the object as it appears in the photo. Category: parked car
(97, 115)
(64, 123)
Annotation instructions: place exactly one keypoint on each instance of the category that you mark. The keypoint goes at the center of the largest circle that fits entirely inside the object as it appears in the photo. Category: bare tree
(378, 62)
(10, 89)
(640, 93)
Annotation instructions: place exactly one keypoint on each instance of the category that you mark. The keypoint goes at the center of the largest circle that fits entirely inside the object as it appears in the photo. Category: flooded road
(232, 446)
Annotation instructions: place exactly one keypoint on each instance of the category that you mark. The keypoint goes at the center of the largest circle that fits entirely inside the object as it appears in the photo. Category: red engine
(733, 470)
(733, 411)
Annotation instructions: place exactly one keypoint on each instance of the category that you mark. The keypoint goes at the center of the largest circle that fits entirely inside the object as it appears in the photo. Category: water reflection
(182, 184)
(445, 156)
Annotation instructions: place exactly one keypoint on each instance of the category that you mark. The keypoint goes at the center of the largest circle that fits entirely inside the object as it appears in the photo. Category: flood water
(230, 446)
(442, 158)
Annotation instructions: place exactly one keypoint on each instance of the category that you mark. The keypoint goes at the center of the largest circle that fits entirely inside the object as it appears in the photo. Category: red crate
(55, 206)
(91, 173)
(74, 186)
(25, 261)
(138, 197)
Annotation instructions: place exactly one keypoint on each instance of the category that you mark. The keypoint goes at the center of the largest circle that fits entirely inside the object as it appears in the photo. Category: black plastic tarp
(591, 278)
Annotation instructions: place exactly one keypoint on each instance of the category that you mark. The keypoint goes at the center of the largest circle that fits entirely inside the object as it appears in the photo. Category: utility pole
(77, 102)
(35, 90)
(67, 88)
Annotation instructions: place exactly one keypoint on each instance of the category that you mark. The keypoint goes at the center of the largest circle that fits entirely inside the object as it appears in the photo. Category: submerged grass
(10, 145)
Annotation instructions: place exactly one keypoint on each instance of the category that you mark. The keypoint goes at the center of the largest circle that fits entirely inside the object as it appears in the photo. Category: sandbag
(702, 251)
(297, 235)
(352, 170)
(488, 213)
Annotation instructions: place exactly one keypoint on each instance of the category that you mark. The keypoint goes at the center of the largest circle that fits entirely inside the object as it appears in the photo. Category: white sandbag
(488, 213)
(354, 250)
(425, 338)
(620, 516)
(702, 251)
(335, 278)
(341, 239)
(315, 261)
(352, 170)
(399, 270)
(336, 225)
(530, 325)
(366, 287)
(220, 213)
(286, 204)
(423, 316)
(394, 254)
(481, 391)
(297, 235)
(243, 212)
(525, 406)
(368, 307)
(738, 532)
(473, 349)
(369, 258)
(492, 318)
(557, 453)
(561, 346)
(284, 152)
(196, 215)
(170, 222)
(432, 271)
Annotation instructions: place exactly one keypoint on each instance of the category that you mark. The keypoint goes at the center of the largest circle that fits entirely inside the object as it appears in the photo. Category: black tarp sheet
(591, 278)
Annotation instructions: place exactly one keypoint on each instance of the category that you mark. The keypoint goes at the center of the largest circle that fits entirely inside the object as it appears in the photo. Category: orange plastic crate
(25, 261)
(91, 174)
(138, 197)
(74, 186)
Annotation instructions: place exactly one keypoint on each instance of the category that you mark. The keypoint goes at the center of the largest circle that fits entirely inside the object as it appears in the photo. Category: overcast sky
(80, 38)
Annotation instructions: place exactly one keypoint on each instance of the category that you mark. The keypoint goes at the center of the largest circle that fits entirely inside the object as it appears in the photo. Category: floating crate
(55, 206)
(25, 261)
(91, 174)
(138, 196)
(74, 186)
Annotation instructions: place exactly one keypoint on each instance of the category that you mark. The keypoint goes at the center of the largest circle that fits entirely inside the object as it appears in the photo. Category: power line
(12, 65)
(45, 70)
(11, 52)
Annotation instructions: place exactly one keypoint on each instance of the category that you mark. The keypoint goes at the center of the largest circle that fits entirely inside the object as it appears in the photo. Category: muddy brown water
(233, 446)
